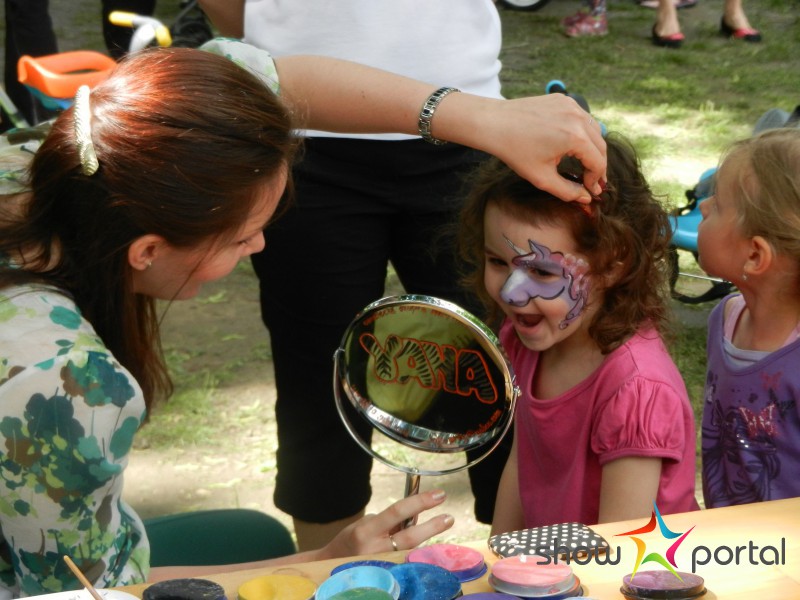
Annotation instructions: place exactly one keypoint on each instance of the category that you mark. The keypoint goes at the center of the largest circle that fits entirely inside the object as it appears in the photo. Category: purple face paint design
(541, 273)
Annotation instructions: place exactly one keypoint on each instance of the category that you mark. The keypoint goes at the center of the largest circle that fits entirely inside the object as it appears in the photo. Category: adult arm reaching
(531, 134)
(370, 535)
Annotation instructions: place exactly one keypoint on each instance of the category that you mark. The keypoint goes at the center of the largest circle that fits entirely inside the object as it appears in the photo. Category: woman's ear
(144, 250)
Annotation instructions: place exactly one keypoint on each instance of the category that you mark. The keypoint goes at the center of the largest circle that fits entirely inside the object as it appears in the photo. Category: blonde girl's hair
(768, 190)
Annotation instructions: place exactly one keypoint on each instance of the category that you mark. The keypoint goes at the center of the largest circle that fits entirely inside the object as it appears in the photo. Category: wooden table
(762, 532)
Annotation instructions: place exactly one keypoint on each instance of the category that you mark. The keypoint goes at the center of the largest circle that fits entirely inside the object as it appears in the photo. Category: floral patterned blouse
(68, 414)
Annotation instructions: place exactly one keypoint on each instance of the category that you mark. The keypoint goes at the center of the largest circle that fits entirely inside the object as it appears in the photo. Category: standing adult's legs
(29, 30)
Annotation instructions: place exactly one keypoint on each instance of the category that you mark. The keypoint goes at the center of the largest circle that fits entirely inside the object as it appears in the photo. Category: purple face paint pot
(465, 563)
(184, 589)
(421, 581)
(277, 587)
(645, 585)
(384, 564)
(532, 576)
(369, 577)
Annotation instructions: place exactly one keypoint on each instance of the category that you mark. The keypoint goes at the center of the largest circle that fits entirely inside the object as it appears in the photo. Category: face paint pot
(489, 596)
(532, 576)
(384, 564)
(277, 587)
(645, 585)
(421, 581)
(371, 577)
(184, 589)
(465, 563)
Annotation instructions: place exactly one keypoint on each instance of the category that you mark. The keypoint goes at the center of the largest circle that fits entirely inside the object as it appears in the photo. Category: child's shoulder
(644, 357)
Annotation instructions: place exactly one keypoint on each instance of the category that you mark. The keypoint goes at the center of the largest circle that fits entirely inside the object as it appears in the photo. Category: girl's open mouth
(528, 320)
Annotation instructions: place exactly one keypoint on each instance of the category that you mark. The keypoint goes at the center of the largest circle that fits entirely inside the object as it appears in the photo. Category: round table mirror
(430, 378)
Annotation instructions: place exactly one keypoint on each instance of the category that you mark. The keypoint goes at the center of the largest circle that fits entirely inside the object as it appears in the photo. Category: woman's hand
(531, 135)
(376, 533)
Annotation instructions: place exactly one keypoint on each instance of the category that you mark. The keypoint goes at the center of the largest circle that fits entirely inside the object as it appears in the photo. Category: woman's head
(193, 154)
(188, 144)
(528, 249)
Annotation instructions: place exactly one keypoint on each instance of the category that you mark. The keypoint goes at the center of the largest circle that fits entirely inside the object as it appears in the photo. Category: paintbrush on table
(82, 578)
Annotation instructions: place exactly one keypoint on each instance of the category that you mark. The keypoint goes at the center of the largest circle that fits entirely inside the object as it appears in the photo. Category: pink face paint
(541, 273)
(465, 563)
(532, 576)
(645, 585)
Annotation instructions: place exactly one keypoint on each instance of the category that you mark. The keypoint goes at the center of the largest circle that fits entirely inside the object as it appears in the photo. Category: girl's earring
(744, 276)
(150, 264)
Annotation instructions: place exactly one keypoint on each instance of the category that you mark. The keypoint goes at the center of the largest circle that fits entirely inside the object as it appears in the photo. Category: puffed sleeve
(66, 430)
(256, 60)
(643, 418)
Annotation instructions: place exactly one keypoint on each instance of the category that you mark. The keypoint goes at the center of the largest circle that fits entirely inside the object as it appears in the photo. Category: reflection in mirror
(430, 377)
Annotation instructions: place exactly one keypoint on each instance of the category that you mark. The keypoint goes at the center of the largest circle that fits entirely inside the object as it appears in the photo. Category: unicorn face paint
(536, 276)
(541, 273)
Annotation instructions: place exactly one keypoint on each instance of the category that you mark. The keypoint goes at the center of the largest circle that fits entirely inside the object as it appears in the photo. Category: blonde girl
(750, 236)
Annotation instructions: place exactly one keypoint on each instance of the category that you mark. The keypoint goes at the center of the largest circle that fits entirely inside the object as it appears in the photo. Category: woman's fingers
(413, 536)
(375, 532)
(539, 132)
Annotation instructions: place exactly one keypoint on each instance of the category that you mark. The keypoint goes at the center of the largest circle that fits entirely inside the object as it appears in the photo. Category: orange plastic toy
(58, 76)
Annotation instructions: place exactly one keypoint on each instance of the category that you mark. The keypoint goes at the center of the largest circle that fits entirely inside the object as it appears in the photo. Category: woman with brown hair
(155, 182)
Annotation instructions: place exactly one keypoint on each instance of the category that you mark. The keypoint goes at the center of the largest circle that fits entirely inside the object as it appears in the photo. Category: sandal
(748, 34)
(674, 40)
(586, 25)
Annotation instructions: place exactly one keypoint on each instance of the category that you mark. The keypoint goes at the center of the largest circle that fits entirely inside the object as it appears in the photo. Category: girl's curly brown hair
(624, 235)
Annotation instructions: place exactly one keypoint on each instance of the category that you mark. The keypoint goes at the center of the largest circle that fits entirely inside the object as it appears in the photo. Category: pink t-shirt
(634, 404)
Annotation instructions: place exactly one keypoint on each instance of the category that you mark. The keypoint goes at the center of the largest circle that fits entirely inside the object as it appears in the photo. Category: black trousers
(29, 30)
(359, 205)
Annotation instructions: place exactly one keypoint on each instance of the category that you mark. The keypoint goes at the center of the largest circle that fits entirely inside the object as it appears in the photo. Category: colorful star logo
(669, 561)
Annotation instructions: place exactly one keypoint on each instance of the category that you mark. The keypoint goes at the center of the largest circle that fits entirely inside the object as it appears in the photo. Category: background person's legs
(29, 30)
(324, 261)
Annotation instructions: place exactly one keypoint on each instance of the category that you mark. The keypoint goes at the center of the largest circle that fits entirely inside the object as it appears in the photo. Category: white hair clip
(83, 132)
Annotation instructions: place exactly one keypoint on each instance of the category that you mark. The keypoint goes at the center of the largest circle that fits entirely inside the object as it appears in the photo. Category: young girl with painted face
(603, 426)
(750, 236)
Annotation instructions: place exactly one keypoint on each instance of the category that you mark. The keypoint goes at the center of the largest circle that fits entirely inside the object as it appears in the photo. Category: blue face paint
(541, 273)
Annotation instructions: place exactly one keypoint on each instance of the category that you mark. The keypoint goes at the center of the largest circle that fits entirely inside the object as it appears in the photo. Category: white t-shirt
(445, 42)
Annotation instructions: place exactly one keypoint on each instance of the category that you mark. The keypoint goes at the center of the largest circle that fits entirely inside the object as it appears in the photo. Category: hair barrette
(82, 113)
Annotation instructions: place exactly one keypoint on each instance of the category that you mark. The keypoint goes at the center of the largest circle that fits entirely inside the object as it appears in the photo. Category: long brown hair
(185, 140)
(625, 237)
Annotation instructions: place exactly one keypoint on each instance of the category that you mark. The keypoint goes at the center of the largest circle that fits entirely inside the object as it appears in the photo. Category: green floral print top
(69, 414)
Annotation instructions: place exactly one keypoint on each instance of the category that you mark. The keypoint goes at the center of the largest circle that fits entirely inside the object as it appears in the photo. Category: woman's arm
(369, 535)
(226, 15)
(530, 134)
(629, 488)
(508, 515)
